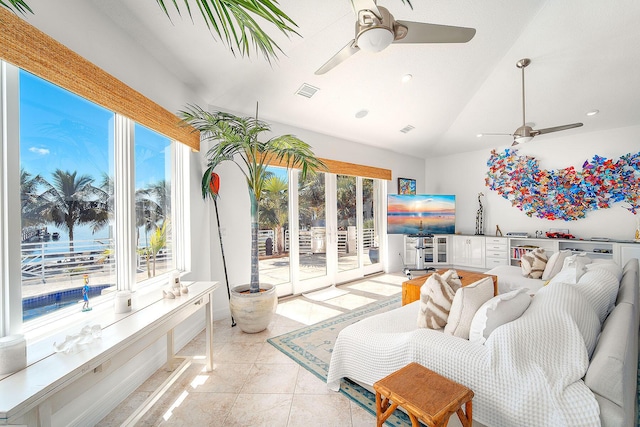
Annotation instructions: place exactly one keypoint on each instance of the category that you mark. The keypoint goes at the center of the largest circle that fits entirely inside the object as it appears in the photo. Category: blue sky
(60, 130)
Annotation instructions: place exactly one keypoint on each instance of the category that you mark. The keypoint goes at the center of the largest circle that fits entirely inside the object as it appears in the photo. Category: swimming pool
(40, 305)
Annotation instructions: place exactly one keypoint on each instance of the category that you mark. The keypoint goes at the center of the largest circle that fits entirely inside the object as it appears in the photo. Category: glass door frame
(332, 276)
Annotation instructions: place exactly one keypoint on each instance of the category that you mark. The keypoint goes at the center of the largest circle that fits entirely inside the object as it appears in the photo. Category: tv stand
(424, 251)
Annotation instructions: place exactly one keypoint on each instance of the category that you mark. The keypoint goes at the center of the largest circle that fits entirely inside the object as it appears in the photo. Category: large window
(74, 201)
(66, 197)
(153, 203)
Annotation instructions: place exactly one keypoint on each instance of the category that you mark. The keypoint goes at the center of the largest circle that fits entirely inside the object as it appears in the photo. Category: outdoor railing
(314, 240)
(45, 261)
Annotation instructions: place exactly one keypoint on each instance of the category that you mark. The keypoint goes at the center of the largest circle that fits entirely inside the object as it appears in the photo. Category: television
(421, 214)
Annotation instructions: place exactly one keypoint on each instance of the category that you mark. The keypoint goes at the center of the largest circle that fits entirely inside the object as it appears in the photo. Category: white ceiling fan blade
(557, 128)
(344, 53)
(365, 5)
(420, 32)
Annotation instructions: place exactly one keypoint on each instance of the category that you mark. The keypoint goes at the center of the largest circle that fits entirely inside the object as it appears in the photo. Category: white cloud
(41, 151)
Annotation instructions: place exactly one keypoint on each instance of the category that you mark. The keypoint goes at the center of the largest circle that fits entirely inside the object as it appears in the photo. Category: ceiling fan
(376, 29)
(525, 133)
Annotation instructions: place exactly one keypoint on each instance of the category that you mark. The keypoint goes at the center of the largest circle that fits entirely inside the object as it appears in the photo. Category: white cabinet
(626, 251)
(435, 250)
(496, 251)
(520, 246)
(468, 251)
(594, 249)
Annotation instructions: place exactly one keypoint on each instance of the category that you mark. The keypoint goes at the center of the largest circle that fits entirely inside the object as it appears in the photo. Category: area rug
(311, 347)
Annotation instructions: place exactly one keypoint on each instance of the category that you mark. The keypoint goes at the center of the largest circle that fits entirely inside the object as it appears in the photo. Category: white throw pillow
(573, 268)
(501, 309)
(608, 265)
(555, 263)
(436, 295)
(467, 301)
(533, 263)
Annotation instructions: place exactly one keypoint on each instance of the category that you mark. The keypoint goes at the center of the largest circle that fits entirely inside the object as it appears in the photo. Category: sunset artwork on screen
(421, 214)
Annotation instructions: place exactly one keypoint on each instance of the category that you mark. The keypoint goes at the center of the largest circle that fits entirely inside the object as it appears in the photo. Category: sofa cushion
(554, 264)
(629, 283)
(606, 264)
(600, 287)
(631, 265)
(436, 295)
(533, 263)
(613, 368)
(497, 311)
(568, 299)
(466, 302)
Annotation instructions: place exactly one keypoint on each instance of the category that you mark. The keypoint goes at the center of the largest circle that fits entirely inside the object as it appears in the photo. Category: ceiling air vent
(407, 129)
(307, 90)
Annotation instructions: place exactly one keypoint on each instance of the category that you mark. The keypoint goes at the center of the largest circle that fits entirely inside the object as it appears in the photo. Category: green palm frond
(236, 139)
(16, 6)
(233, 22)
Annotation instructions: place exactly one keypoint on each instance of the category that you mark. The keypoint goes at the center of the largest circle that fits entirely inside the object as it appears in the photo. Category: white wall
(110, 49)
(464, 174)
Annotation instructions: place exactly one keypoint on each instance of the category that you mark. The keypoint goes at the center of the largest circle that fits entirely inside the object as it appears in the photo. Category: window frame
(123, 158)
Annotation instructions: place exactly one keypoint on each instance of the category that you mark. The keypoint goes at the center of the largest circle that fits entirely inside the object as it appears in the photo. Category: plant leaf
(16, 6)
(233, 23)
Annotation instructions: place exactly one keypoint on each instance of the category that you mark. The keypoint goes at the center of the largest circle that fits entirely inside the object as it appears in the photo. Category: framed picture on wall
(406, 186)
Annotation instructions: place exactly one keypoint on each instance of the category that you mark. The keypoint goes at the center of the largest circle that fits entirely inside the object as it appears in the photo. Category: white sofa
(569, 359)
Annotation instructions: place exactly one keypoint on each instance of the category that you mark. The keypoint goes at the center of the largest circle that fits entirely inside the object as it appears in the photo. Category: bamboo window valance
(26, 47)
(352, 169)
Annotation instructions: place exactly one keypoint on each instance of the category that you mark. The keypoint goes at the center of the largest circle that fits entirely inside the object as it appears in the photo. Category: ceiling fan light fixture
(522, 139)
(375, 39)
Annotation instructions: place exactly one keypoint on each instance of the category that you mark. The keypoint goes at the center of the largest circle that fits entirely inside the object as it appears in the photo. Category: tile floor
(252, 383)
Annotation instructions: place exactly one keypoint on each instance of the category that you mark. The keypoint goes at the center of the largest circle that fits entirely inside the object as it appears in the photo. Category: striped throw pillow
(436, 296)
(533, 263)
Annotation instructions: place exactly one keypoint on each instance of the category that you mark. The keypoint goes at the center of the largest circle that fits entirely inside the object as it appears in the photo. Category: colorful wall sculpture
(566, 194)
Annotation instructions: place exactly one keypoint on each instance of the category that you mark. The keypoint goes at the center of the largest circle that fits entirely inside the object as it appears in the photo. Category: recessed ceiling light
(406, 78)
(362, 113)
(480, 135)
(592, 112)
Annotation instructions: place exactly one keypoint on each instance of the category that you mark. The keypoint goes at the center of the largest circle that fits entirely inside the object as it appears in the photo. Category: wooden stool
(425, 395)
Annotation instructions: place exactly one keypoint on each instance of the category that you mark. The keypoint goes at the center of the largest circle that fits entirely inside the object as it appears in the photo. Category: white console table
(32, 388)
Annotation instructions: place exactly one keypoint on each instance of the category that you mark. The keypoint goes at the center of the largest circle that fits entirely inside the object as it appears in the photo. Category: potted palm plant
(237, 139)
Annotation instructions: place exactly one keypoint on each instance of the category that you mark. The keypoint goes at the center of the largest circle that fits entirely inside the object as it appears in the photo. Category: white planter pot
(253, 312)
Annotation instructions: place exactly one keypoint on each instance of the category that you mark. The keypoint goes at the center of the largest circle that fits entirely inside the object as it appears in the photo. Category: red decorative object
(558, 235)
(214, 184)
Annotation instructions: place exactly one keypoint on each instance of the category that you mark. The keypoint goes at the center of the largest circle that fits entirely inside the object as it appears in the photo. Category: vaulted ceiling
(584, 57)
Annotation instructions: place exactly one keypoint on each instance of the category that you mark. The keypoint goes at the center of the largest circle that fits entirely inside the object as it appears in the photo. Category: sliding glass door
(334, 239)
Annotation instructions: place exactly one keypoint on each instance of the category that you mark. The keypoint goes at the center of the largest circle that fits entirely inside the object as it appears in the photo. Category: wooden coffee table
(411, 288)
(425, 395)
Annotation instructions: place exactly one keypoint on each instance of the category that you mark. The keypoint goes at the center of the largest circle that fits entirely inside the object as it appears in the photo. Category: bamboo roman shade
(352, 169)
(26, 47)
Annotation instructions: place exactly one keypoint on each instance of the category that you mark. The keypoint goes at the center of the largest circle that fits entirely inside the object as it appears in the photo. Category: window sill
(42, 334)
(127, 335)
